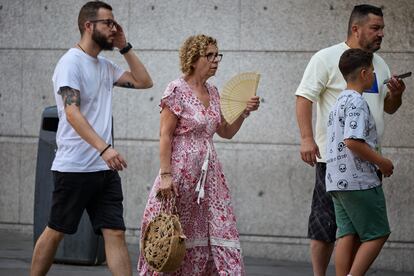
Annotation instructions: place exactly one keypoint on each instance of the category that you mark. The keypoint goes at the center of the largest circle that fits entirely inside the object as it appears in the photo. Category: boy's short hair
(352, 60)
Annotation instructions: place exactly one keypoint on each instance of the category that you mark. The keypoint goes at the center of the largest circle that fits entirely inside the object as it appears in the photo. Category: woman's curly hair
(192, 49)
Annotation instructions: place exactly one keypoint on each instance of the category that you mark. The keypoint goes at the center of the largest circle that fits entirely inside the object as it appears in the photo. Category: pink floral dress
(206, 215)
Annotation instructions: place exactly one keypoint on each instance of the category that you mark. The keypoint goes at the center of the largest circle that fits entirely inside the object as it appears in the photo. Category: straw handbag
(163, 241)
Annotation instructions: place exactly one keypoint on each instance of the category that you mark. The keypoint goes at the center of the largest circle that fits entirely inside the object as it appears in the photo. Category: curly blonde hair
(192, 49)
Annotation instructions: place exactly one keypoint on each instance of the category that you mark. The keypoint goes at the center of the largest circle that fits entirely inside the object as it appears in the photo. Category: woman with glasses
(189, 168)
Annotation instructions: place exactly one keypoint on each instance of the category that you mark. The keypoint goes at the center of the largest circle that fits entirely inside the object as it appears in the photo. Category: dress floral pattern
(213, 246)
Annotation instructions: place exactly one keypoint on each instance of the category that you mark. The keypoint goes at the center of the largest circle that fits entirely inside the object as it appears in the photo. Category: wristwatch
(126, 48)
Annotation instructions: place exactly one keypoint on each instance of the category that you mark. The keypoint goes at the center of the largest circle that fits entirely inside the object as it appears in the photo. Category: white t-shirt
(94, 78)
(350, 118)
(322, 82)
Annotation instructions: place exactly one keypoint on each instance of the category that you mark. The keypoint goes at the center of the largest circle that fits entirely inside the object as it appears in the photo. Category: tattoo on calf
(125, 85)
(69, 96)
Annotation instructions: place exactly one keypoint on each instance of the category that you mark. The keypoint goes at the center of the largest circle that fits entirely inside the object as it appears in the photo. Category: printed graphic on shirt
(342, 184)
(374, 88)
(358, 164)
(353, 124)
(342, 168)
(341, 146)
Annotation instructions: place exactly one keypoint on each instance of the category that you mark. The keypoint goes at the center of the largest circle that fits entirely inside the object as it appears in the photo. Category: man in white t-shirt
(85, 168)
(322, 82)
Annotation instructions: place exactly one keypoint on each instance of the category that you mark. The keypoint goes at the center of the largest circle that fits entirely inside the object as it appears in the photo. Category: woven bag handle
(168, 205)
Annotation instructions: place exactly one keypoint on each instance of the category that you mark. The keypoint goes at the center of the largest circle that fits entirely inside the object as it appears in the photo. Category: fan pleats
(235, 94)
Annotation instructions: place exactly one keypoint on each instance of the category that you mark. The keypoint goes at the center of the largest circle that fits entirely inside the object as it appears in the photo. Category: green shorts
(361, 212)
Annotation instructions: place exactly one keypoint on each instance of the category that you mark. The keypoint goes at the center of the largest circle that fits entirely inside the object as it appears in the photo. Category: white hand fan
(235, 94)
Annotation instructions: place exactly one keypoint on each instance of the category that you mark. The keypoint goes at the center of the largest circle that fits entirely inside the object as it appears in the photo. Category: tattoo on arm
(69, 96)
(125, 85)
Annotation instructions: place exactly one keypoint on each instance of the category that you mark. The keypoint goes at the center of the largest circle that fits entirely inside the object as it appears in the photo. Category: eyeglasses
(214, 56)
(109, 22)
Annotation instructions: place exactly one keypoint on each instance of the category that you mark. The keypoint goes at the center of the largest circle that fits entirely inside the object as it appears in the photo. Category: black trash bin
(84, 247)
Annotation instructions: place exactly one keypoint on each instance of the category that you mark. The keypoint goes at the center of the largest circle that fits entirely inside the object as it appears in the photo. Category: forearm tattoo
(69, 96)
(125, 85)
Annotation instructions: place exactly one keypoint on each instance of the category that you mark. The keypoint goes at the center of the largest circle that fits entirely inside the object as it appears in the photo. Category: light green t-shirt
(322, 82)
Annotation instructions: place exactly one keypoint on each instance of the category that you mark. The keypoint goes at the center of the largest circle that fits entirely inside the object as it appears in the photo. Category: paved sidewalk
(16, 250)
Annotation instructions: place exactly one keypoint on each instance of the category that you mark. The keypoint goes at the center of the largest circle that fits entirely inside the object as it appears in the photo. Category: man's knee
(51, 235)
(113, 234)
(317, 245)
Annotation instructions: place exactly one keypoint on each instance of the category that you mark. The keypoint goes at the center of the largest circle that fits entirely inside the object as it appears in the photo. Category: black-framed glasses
(214, 56)
(109, 22)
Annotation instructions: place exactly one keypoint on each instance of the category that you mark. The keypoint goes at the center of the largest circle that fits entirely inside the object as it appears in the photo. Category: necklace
(81, 48)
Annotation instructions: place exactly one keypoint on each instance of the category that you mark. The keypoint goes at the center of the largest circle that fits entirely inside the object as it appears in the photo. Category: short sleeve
(314, 79)
(66, 74)
(117, 71)
(356, 121)
(172, 99)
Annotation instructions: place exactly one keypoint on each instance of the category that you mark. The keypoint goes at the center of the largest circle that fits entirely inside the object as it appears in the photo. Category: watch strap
(126, 48)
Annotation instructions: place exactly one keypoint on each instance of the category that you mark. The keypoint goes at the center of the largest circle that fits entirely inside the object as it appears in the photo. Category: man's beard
(102, 41)
(371, 46)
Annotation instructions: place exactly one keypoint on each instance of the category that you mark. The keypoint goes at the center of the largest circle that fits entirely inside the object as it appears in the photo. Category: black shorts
(100, 193)
(322, 225)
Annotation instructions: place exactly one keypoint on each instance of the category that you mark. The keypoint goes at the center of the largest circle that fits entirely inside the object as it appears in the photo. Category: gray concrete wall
(271, 186)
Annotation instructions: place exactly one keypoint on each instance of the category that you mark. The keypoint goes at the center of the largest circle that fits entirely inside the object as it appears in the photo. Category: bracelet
(165, 173)
(245, 115)
(107, 147)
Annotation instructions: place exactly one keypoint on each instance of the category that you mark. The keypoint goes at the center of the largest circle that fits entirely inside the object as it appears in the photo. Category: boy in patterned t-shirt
(354, 170)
